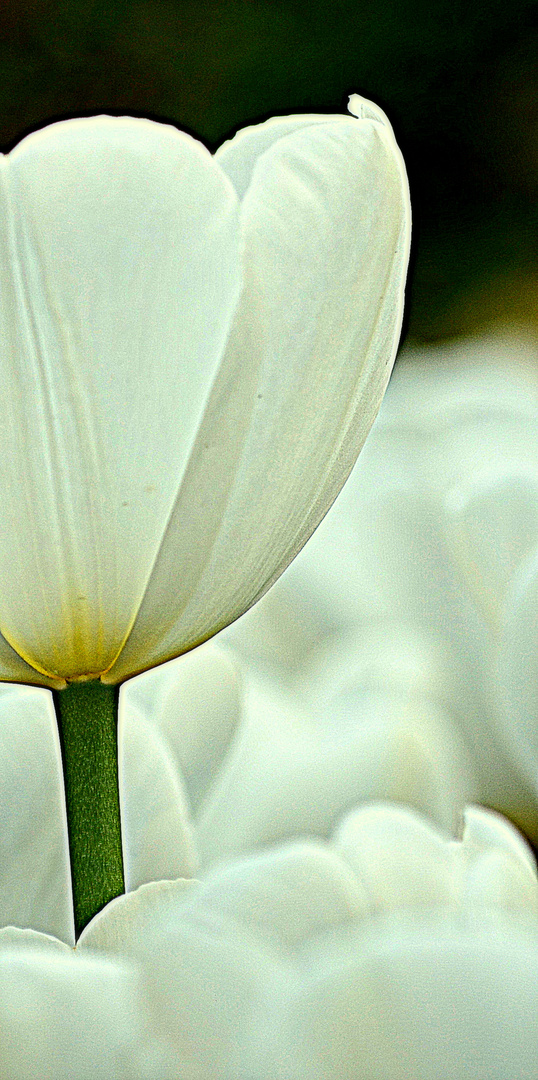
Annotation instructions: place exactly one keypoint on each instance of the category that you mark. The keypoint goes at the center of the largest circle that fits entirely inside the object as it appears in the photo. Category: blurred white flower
(387, 949)
(211, 769)
(194, 350)
(432, 597)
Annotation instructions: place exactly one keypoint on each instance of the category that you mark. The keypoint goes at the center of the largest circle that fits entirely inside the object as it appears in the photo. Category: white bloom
(387, 950)
(193, 351)
(210, 770)
(432, 599)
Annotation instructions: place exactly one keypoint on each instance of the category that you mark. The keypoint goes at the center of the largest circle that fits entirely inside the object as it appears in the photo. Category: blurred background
(459, 82)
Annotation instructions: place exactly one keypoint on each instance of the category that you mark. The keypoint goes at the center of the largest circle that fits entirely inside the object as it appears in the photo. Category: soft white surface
(301, 959)
(208, 772)
(518, 665)
(69, 1016)
(294, 771)
(393, 945)
(157, 833)
(35, 877)
(195, 703)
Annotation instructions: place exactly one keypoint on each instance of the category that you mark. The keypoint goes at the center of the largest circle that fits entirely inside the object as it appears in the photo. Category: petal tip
(364, 109)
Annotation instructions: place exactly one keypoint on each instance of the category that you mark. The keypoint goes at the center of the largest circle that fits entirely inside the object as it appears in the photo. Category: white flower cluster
(365, 942)
(193, 351)
(428, 610)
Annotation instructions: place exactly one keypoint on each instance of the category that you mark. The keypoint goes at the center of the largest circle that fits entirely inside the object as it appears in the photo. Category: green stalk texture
(87, 714)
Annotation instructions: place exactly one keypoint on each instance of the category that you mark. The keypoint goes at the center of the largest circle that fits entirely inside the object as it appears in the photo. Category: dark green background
(458, 80)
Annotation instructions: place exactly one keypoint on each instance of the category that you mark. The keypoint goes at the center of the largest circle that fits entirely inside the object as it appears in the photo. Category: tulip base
(87, 714)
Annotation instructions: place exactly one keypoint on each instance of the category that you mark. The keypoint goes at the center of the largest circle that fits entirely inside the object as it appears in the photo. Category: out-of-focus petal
(317, 599)
(400, 860)
(492, 525)
(518, 667)
(35, 876)
(313, 960)
(195, 704)
(119, 277)
(65, 1015)
(325, 224)
(428, 1000)
(485, 831)
(294, 771)
(287, 894)
(205, 974)
(157, 835)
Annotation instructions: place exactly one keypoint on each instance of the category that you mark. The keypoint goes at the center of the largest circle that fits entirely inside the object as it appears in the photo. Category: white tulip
(193, 351)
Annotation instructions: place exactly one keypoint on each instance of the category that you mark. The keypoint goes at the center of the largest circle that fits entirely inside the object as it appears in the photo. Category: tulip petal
(35, 875)
(118, 280)
(492, 525)
(293, 772)
(430, 1000)
(204, 973)
(238, 156)
(325, 232)
(485, 831)
(127, 925)
(400, 860)
(518, 667)
(157, 835)
(64, 1015)
(287, 895)
(194, 703)
(15, 670)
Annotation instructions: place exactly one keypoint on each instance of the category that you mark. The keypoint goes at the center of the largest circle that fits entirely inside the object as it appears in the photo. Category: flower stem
(87, 714)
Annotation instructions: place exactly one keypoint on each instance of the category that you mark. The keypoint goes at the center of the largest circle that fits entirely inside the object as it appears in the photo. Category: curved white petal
(205, 974)
(15, 939)
(485, 831)
(35, 875)
(299, 962)
(283, 896)
(238, 156)
(325, 225)
(410, 685)
(318, 598)
(157, 834)
(475, 378)
(14, 669)
(518, 667)
(430, 1000)
(64, 1015)
(128, 926)
(404, 863)
(194, 703)
(119, 275)
(288, 894)
(458, 418)
(401, 861)
(293, 772)
(403, 551)
(492, 525)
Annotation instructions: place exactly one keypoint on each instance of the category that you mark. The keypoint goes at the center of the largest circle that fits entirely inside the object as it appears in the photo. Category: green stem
(87, 714)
